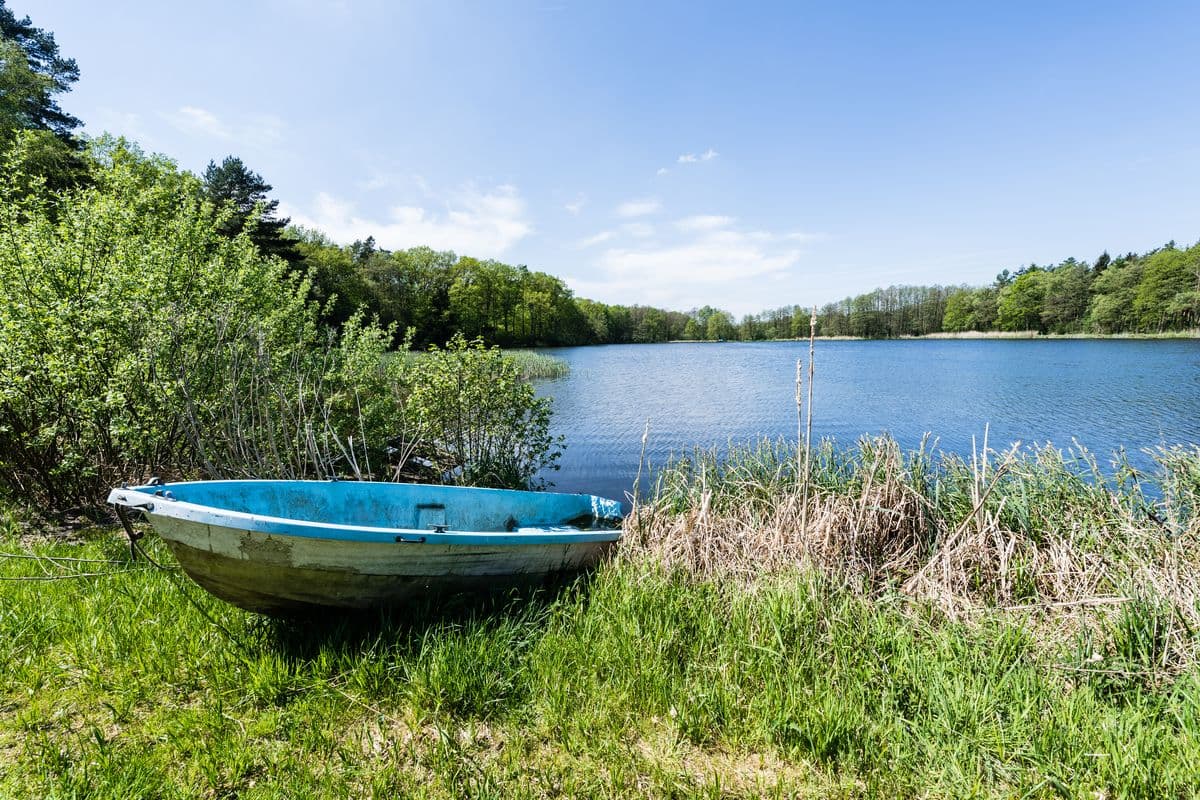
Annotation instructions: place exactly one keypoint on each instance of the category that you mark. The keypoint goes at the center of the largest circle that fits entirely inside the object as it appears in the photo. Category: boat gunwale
(161, 505)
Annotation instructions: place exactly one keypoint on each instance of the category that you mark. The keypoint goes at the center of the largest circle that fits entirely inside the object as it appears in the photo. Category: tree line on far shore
(1153, 292)
(437, 294)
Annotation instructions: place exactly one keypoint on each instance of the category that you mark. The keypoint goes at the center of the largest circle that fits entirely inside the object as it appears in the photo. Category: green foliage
(107, 293)
(437, 294)
(1019, 307)
(1114, 291)
(232, 183)
(34, 131)
(1151, 293)
(720, 325)
(1066, 297)
(959, 315)
(304, 405)
(485, 423)
(537, 366)
(1167, 294)
(140, 336)
(31, 73)
(894, 311)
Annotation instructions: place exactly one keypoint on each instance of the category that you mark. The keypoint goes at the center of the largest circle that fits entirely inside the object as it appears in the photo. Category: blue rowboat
(281, 547)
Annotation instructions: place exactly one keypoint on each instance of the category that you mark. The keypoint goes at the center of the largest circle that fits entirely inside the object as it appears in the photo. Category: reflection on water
(1106, 394)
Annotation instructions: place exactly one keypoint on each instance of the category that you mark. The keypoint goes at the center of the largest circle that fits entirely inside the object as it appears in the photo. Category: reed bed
(1038, 530)
(537, 366)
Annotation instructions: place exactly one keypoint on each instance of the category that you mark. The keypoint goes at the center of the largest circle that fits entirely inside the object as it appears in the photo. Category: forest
(437, 294)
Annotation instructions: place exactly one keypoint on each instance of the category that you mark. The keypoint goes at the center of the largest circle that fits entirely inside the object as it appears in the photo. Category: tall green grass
(652, 677)
(537, 366)
(531, 365)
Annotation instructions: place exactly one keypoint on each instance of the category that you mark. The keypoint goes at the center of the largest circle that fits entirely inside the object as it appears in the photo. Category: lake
(1105, 394)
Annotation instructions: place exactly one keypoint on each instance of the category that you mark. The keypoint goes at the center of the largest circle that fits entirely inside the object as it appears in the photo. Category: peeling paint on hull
(336, 580)
(270, 565)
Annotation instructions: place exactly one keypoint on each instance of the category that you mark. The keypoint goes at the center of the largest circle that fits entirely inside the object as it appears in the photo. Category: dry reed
(1035, 530)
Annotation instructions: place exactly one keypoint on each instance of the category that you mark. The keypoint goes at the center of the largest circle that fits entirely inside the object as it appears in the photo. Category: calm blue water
(1106, 394)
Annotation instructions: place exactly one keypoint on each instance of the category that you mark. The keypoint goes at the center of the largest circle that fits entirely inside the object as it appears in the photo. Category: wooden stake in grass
(812, 335)
(799, 417)
(637, 485)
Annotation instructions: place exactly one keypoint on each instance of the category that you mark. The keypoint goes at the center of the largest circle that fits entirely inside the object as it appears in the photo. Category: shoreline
(965, 335)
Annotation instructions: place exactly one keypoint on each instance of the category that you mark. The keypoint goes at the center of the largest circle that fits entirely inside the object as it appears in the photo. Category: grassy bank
(722, 653)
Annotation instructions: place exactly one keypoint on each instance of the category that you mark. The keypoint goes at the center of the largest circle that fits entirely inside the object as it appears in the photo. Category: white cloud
(475, 222)
(199, 121)
(255, 130)
(712, 258)
(692, 158)
(639, 208)
(703, 222)
(711, 264)
(638, 230)
(662, 171)
(575, 206)
(121, 123)
(595, 239)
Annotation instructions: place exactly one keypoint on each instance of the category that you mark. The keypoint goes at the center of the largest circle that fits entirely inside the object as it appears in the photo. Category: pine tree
(232, 182)
(31, 73)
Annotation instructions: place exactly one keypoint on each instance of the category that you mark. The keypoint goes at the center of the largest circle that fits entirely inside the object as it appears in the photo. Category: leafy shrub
(136, 339)
(107, 293)
(487, 425)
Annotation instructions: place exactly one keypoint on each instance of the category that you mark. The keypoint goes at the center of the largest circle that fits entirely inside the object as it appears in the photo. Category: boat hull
(280, 547)
(282, 574)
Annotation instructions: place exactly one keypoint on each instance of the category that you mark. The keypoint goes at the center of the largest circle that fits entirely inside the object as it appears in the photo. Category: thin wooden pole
(812, 336)
(799, 417)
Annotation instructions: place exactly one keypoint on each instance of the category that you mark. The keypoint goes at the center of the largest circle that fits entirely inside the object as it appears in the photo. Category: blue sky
(745, 155)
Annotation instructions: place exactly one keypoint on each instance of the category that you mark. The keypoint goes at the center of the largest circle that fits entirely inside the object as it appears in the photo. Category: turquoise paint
(362, 511)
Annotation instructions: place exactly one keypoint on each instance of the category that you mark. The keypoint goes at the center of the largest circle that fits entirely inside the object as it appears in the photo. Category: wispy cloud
(575, 206)
(255, 130)
(639, 208)
(483, 222)
(201, 121)
(703, 222)
(662, 171)
(638, 230)
(692, 158)
(711, 262)
(597, 238)
(122, 123)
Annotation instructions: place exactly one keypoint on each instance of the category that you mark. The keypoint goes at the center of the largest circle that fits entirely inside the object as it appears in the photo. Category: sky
(743, 155)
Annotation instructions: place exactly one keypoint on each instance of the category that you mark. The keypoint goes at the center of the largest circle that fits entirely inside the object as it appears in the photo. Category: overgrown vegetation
(136, 338)
(1039, 527)
(721, 654)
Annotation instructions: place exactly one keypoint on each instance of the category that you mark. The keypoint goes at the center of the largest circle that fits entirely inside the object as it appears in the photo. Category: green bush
(109, 294)
(485, 423)
(136, 339)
